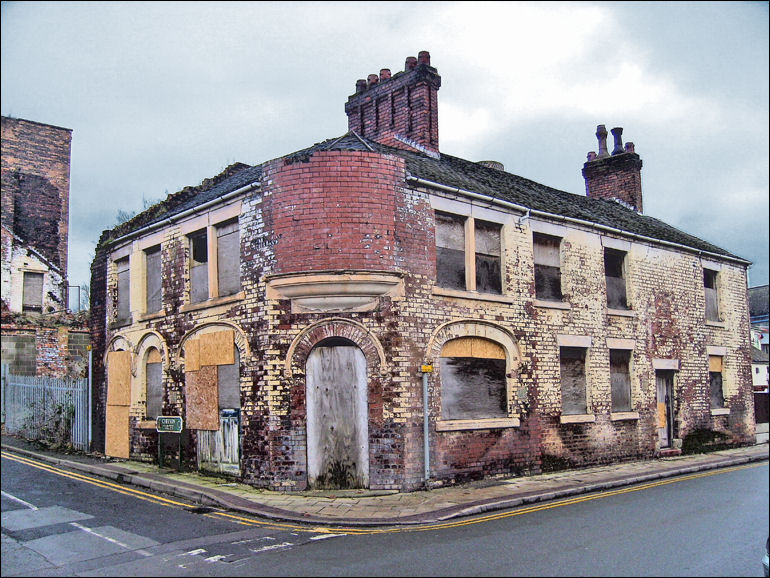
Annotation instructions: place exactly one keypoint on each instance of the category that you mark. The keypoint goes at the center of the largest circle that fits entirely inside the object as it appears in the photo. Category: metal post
(90, 394)
(426, 370)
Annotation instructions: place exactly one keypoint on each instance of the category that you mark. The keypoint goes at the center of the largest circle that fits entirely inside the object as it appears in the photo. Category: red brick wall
(334, 210)
(37, 157)
(615, 177)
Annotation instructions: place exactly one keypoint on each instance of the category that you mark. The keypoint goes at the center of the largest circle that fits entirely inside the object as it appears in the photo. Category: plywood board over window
(202, 398)
(118, 403)
(192, 355)
(217, 348)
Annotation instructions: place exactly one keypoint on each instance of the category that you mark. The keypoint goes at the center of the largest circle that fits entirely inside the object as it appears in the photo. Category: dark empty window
(620, 378)
(715, 382)
(228, 259)
(712, 297)
(573, 380)
(473, 382)
(547, 267)
(152, 278)
(488, 277)
(123, 305)
(616, 279)
(32, 297)
(154, 384)
(229, 384)
(450, 251)
(199, 267)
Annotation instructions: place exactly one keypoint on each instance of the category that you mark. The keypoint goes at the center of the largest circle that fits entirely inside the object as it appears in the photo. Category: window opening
(228, 259)
(153, 280)
(715, 382)
(154, 384)
(124, 290)
(450, 251)
(620, 378)
(473, 382)
(547, 267)
(712, 297)
(615, 277)
(32, 295)
(488, 276)
(199, 271)
(573, 380)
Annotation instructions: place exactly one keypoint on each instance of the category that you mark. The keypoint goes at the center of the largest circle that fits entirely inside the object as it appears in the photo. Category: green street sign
(168, 423)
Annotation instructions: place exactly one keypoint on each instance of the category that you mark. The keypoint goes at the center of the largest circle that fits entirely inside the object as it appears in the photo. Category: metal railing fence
(46, 408)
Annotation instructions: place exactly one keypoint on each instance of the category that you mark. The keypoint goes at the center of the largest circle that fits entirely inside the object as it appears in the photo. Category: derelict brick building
(292, 312)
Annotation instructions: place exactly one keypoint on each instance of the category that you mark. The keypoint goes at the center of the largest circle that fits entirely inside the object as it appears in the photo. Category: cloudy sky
(163, 95)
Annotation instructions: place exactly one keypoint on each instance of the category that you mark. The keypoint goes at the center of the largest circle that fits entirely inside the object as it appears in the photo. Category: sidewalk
(383, 508)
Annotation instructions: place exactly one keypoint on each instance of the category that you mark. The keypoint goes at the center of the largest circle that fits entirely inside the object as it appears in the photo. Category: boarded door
(337, 426)
(665, 387)
(118, 404)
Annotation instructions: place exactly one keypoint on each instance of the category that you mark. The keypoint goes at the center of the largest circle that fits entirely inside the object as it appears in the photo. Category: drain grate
(202, 510)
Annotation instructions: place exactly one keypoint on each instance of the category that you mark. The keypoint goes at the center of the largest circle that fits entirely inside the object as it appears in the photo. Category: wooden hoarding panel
(202, 398)
(117, 442)
(217, 348)
(192, 355)
(119, 378)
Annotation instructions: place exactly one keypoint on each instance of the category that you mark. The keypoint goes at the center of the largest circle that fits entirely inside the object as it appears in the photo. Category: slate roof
(759, 356)
(452, 172)
(758, 301)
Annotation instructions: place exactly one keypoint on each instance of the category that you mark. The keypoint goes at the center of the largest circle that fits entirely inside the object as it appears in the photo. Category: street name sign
(168, 423)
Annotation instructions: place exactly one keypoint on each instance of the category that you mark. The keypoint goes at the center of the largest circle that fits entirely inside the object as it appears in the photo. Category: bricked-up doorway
(337, 426)
(664, 380)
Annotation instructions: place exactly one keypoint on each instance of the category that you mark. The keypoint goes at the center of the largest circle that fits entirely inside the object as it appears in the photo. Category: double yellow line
(364, 531)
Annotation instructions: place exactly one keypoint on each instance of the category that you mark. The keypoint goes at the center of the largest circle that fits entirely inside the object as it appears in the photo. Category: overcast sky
(163, 95)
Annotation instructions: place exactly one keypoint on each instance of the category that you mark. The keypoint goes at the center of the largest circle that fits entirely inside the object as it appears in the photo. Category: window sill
(474, 295)
(470, 424)
(621, 312)
(152, 316)
(578, 418)
(720, 324)
(721, 411)
(624, 415)
(552, 304)
(212, 303)
(121, 323)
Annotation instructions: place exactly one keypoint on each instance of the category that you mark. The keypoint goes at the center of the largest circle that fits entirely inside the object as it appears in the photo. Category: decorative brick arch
(120, 343)
(150, 340)
(300, 348)
(239, 336)
(474, 328)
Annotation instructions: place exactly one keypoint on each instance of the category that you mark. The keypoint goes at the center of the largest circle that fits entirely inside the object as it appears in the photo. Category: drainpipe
(426, 370)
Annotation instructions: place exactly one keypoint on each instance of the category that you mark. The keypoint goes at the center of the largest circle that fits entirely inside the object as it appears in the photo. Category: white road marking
(327, 536)
(19, 500)
(273, 547)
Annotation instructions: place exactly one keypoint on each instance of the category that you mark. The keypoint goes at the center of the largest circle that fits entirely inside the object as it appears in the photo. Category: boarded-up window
(228, 259)
(620, 378)
(154, 384)
(473, 382)
(32, 298)
(573, 380)
(152, 276)
(712, 297)
(615, 276)
(715, 382)
(123, 305)
(488, 277)
(199, 267)
(547, 267)
(450, 251)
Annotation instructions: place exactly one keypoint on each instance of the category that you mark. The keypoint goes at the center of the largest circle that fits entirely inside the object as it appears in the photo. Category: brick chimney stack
(399, 110)
(616, 176)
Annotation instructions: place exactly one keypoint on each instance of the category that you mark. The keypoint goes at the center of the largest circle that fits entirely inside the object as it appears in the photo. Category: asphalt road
(56, 523)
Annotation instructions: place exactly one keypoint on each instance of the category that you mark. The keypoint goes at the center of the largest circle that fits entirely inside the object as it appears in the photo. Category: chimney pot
(601, 134)
(629, 147)
(591, 156)
(385, 74)
(372, 79)
(424, 57)
(410, 64)
(360, 85)
(617, 132)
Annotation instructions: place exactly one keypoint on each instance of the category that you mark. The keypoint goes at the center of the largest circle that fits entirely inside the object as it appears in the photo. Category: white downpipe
(425, 424)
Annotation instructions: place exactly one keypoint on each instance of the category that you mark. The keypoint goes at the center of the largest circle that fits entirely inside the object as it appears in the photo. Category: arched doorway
(337, 416)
